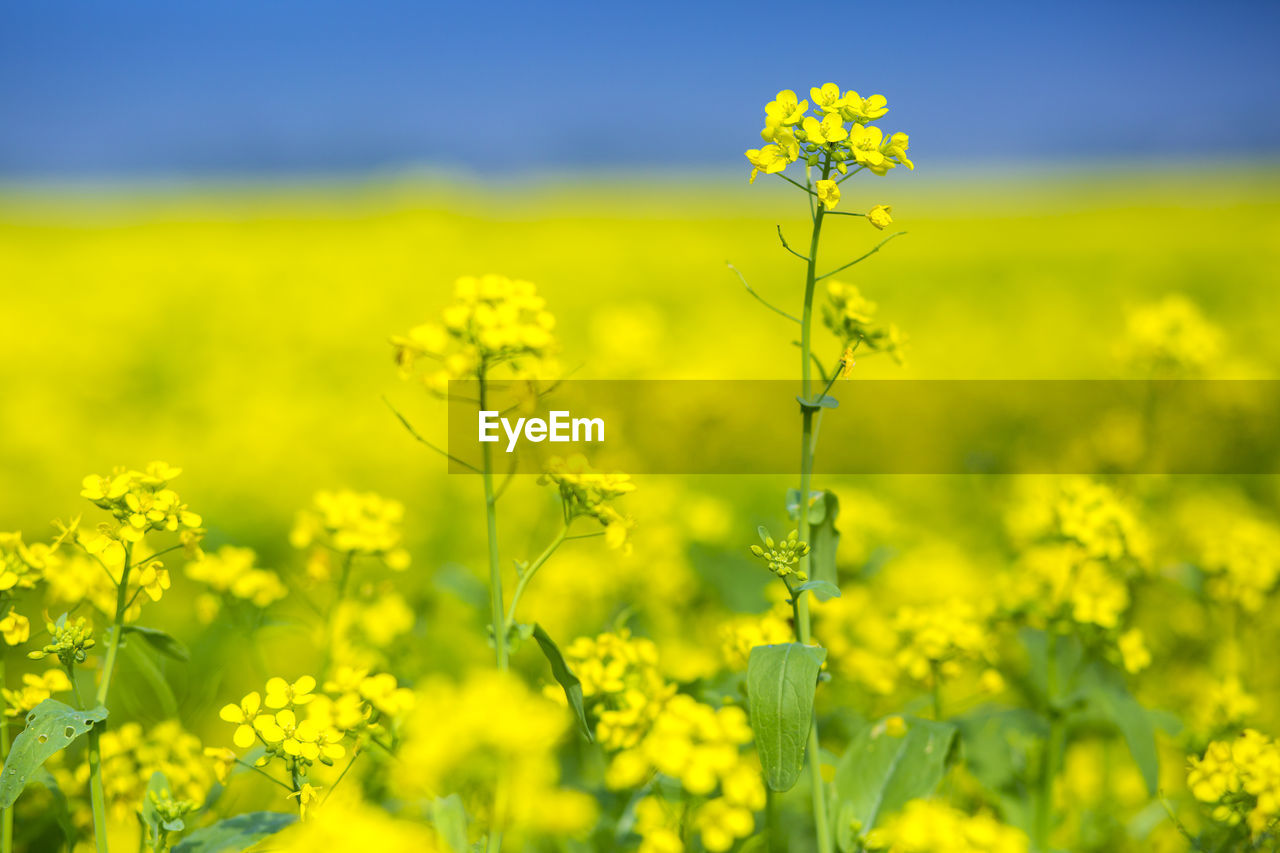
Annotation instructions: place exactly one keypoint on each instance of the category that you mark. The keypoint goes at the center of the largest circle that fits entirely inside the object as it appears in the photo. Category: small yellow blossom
(306, 795)
(15, 628)
(879, 216)
(828, 193)
(281, 693)
(244, 716)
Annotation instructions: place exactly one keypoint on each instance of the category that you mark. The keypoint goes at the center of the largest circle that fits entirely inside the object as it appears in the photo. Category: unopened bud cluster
(782, 556)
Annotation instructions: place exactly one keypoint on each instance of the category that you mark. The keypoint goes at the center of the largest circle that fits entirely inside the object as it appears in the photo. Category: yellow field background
(242, 335)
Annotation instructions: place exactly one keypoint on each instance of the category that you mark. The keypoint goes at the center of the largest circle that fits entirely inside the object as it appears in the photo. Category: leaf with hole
(51, 726)
(781, 680)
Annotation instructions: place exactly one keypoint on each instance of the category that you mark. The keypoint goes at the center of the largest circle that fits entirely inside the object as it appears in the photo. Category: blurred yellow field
(1118, 627)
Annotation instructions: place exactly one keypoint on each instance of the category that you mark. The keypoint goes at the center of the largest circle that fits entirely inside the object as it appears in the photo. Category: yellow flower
(785, 110)
(828, 98)
(223, 760)
(15, 627)
(864, 143)
(244, 716)
(862, 110)
(1133, 650)
(306, 795)
(879, 216)
(847, 363)
(154, 580)
(829, 129)
(281, 693)
(828, 193)
(770, 159)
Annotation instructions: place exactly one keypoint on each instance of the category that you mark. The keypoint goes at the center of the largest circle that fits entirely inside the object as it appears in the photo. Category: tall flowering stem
(806, 475)
(491, 525)
(837, 137)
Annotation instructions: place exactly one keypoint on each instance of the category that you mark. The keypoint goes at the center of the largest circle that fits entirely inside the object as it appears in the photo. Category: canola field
(283, 634)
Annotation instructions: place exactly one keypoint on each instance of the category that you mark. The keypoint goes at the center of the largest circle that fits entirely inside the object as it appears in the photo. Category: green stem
(491, 519)
(1053, 747)
(806, 473)
(96, 793)
(6, 822)
(530, 571)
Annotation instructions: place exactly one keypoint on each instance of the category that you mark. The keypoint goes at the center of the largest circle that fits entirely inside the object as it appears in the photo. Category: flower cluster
(21, 565)
(492, 741)
(232, 571)
(587, 492)
(925, 826)
(69, 641)
(131, 755)
(35, 689)
(297, 742)
(139, 502)
(860, 640)
(837, 134)
(740, 634)
(493, 320)
(620, 683)
(1088, 513)
(1242, 562)
(1170, 338)
(851, 317)
(700, 747)
(935, 642)
(1240, 779)
(15, 628)
(782, 556)
(353, 524)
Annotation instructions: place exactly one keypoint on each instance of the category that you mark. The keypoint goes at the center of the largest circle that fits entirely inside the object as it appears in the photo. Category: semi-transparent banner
(872, 427)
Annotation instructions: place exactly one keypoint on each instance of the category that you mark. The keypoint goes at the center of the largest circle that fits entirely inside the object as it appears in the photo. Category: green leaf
(781, 680)
(572, 686)
(449, 817)
(879, 773)
(822, 590)
(141, 665)
(1108, 694)
(236, 833)
(161, 641)
(50, 727)
(157, 788)
(824, 507)
(463, 584)
(826, 401)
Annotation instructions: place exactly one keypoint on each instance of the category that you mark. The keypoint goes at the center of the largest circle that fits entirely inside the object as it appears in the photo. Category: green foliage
(235, 833)
(880, 772)
(161, 641)
(449, 817)
(823, 536)
(50, 727)
(572, 686)
(780, 684)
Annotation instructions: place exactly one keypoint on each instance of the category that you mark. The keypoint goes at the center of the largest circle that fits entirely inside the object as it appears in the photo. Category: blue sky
(156, 87)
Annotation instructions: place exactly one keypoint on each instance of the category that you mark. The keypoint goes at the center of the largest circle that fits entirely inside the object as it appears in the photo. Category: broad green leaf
(140, 664)
(781, 680)
(236, 833)
(1108, 694)
(879, 773)
(449, 817)
(826, 401)
(824, 507)
(462, 583)
(162, 642)
(568, 681)
(50, 727)
(822, 589)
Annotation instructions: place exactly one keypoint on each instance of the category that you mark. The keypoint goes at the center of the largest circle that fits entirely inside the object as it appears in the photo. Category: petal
(305, 684)
(244, 737)
(286, 718)
(232, 714)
